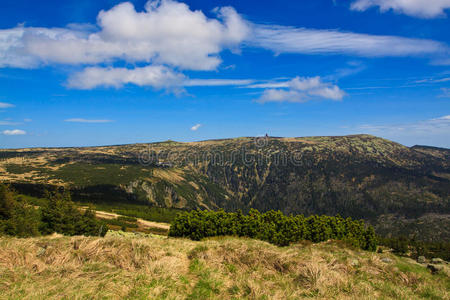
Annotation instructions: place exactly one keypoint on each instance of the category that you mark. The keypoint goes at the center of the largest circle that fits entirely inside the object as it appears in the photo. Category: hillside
(400, 190)
(136, 267)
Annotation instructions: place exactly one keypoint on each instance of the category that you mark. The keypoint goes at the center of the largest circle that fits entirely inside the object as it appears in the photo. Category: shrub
(274, 227)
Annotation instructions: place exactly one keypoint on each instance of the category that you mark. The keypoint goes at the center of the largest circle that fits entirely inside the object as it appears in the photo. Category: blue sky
(79, 73)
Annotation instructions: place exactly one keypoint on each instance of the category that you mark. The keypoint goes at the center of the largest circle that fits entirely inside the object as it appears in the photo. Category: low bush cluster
(274, 227)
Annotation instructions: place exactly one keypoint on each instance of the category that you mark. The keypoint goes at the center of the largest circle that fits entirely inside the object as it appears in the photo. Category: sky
(107, 72)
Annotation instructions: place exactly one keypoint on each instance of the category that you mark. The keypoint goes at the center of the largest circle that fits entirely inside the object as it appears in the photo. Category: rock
(435, 268)
(437, 261)
(421, 260)
(386, 260)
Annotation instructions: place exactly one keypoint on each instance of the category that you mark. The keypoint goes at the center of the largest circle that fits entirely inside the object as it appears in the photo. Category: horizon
(109, 72)
(220, 139)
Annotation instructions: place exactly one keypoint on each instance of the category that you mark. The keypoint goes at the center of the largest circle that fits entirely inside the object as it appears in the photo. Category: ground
(138, 266)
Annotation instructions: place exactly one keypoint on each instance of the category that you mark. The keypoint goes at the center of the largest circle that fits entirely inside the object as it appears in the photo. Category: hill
(400, 190)
(137, 267)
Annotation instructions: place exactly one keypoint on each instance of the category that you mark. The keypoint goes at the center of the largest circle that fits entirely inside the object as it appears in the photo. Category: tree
(62, 216)
(16, 216)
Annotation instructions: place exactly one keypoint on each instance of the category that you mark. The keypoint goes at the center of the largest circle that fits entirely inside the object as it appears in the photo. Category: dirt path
(141, 222)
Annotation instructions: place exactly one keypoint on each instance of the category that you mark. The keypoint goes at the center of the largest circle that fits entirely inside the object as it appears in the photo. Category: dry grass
(227, 268)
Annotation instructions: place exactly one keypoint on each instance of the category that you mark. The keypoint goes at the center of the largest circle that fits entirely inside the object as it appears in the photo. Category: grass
(132, 266)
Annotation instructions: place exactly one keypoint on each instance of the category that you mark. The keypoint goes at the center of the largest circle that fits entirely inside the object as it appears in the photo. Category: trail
(141, 222)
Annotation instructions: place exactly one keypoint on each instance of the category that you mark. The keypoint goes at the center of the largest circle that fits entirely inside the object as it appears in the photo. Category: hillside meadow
(137, 266)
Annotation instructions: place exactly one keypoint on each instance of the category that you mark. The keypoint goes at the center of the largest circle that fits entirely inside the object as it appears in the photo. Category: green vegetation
(274, 227)
(399, 190)
(82, 174)
(415, 248)
(17, 217)
(59, 214)
(123, 222)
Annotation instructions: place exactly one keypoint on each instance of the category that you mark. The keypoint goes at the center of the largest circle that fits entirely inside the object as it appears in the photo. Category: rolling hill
(400, 190)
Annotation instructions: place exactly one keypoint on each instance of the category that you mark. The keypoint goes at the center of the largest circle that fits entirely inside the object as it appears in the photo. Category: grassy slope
(131, 267)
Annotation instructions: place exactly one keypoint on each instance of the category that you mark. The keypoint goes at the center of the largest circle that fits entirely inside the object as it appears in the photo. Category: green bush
(274, 227)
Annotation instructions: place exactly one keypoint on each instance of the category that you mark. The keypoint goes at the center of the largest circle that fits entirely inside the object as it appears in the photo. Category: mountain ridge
(361, 176)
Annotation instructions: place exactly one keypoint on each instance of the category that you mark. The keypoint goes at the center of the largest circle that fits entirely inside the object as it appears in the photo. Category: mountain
(400, 190)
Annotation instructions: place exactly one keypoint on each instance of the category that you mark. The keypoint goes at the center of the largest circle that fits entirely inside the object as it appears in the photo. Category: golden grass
(135, 267)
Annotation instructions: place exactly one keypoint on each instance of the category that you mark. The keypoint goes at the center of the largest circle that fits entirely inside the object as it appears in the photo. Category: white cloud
(196, 127)
(27, 120)
(438, 125)
(14, 132)
(81, 120)
(285, 39)
(433, 80)
(170, 33)
(434, 131)
(167, 32)
(154, 76)
(167, 36)
(299, 90)
(8, 123)
(217, 82)
(416, 8)
(6, 105)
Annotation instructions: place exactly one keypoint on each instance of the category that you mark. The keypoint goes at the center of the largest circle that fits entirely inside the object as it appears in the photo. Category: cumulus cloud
(169, 32)
(166, 32)
(81, 120)
(416, 8)
(299, 90)
(285, 39)
(14, 132)
(196, 127)
(6, 105)
(167, 37)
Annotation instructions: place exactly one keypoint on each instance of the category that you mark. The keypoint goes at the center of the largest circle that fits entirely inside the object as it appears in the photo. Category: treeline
(414, 248)
(59, 214)
(274, 227)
